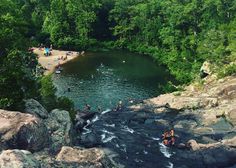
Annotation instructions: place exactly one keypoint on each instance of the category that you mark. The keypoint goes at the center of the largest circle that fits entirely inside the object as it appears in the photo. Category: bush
(227, 71)
(66, 104)
(47, 92)
(51, 101)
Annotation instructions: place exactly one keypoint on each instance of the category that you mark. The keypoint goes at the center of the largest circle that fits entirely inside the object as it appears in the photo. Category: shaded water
(102, 78)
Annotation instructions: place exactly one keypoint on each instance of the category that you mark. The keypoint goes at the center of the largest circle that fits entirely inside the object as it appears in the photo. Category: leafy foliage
(51, 101)
(180, 34)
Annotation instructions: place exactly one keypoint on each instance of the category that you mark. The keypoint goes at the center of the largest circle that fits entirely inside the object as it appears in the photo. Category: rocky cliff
(38, 139)
(207, 113)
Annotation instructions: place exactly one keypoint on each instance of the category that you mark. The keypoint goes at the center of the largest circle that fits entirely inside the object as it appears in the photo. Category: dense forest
(180, 34)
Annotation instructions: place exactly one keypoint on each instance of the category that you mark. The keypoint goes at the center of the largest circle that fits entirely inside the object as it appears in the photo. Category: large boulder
(18, 159)
(232, 116)
(218, 154)
(22, 131)
(185, 124)
(93, 157)
(60, 127)
(177, 102)
(35, 108)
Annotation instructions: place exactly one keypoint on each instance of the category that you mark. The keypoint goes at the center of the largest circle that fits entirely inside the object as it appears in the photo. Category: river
(104, 78)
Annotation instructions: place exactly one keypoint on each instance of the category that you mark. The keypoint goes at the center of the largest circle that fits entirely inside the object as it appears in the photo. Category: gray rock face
(60, 127)
(22, 131)
(94, 157)
(185, 124)
(89, 140)
(218, 154)
(232, 116)
(18, 159)
(35, 108)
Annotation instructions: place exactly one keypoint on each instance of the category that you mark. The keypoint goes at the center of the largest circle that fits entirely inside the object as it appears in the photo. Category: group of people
(168, 137)
(62, 58)
(46, 50)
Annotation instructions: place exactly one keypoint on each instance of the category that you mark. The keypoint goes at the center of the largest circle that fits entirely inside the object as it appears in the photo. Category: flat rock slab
(94, 157)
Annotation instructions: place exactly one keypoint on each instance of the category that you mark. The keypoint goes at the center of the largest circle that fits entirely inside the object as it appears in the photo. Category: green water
(102, 78)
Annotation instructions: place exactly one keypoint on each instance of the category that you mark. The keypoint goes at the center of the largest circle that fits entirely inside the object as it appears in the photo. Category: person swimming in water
(168, 137)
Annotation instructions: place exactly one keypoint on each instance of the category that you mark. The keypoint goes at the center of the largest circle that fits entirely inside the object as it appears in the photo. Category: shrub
(66, 104)
(47, 92)
(227, 71)
(51, 101)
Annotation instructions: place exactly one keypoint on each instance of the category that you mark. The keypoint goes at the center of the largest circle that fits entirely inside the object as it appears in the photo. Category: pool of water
(104, 78)
(132, 139)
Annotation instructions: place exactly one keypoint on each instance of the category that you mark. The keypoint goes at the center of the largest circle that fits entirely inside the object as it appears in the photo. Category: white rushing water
(164, 150)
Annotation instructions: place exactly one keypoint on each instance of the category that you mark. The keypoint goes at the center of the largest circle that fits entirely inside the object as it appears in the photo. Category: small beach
(50, 62)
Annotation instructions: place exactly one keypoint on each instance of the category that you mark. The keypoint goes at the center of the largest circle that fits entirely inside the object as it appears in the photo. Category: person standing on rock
(87, 107)
(119, 105)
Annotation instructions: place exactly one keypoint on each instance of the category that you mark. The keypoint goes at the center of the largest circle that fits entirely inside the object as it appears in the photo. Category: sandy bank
(50, 62)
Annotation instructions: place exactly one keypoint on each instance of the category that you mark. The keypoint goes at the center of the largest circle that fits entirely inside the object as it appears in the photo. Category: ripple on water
(127, 129)
(107, 139)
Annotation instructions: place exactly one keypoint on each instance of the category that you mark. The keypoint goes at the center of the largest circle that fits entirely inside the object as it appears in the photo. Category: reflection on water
(102, 78)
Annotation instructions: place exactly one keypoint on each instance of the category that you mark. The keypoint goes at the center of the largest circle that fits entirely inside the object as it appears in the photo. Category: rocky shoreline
(42, 139)
(206, 115)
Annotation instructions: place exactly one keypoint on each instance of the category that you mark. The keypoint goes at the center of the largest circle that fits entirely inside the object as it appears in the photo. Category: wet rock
(80, 123)
(90, 140)
(35, 108)
(230, 142)
(193, 145)
(149, 121)
(139, 117)
(94, 157)
(185, 124)
(163, 122)
(218, 154)
(22, 131)
(18, 159)
(85, 115)
(60, 127)
(203, 130)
